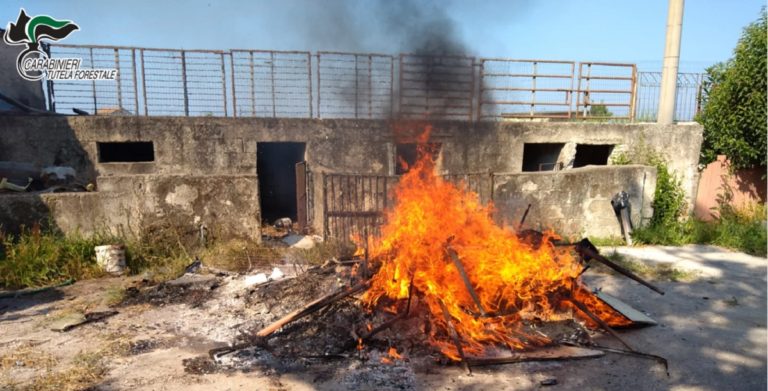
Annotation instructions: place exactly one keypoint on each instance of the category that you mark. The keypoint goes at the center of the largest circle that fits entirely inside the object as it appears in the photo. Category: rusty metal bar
(326, 227)
(224, 84)
(119, 81)
(583, 308)
(586, 249)
(309, 82)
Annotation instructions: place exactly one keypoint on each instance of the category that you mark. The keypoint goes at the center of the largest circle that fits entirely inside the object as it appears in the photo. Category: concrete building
(334, 176)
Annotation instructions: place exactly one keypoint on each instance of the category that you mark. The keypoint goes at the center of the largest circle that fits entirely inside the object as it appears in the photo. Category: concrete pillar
(667, 92)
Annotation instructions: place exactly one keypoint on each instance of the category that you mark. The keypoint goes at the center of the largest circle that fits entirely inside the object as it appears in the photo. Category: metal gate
(354, 205)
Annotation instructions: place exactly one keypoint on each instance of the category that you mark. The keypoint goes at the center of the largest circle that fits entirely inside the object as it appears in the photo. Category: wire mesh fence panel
(272, 84)
(163, 82)
(354, 85)
(688, 96)
(205, 82)
(525, 88)
(119, 96)
(437, 87)
(605, 90)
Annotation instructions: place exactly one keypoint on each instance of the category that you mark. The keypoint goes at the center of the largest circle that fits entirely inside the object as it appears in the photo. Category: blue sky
(580, 30)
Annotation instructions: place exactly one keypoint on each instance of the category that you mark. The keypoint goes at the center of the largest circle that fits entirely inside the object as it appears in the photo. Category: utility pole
(667, 94)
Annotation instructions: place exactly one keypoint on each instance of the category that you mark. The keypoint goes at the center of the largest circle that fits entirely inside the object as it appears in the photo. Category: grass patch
(26, 356)
(658, 272)
(741, 229)
(241, 255)
(322, 252)
(43, 256)
(86, 371)
(610, 241)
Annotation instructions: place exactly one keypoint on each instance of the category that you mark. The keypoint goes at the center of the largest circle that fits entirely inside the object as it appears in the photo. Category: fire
(513, 281)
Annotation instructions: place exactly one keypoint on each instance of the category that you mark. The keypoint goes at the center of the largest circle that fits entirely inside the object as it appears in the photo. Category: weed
(659, 272)
(86, 371)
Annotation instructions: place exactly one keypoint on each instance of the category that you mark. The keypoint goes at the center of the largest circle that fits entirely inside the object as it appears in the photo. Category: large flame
(514, 280)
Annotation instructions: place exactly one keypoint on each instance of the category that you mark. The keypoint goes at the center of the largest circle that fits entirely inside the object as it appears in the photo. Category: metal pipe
(671, 62)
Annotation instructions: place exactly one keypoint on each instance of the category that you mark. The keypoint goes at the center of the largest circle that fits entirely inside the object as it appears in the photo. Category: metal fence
(296, 84)
(354, 85)
(688, 100)
(354, 205)
(525, 88)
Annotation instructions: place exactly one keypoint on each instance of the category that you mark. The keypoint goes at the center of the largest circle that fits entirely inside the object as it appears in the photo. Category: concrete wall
(575, 203)
(226, 204)
(205, 146)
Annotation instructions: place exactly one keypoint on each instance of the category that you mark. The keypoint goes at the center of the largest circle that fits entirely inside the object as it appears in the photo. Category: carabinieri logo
(33, 63)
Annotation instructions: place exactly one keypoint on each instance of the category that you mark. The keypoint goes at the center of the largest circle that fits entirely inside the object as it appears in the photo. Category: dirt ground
(712, 330)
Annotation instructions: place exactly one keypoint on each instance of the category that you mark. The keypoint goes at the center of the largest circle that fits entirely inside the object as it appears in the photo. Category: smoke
(435, 84)
(421, 27)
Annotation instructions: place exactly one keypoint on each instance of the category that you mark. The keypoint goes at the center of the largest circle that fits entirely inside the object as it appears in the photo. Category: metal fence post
(224, 84)
(144, 84)
(135, 87)
(184, 81)
(119, 81)
(309, 81)
(234, 91)
(93, 86)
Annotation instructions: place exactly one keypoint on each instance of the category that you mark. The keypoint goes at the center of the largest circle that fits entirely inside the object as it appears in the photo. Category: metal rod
(522, 221)
(253, 87)
(135, 86)
(93, 86)
(224, 84)
(184, 81)
(467, 283)
(309, 82)
(585, 249)
(599, 321)
(144, 84)
(234, 91)
(119, 82)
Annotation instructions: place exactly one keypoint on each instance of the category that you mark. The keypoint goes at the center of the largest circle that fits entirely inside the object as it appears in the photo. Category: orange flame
(393, 353)
(512, 279)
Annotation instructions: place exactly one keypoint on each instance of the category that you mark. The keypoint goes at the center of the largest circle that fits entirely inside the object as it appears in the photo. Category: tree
(734, 102)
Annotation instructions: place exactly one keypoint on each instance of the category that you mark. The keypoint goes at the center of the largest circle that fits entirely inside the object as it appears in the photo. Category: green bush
(36, 257)
(733, 102)
(43, 256)
(739, 229)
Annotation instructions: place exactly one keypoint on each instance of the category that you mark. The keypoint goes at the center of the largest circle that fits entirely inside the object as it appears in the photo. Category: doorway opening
(276, 168)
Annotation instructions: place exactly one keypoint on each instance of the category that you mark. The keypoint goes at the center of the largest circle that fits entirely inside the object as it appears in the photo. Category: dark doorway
(541, 157)
(589, 154)
(276, 167)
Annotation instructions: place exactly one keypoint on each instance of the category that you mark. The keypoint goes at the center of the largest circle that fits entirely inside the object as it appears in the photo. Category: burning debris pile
(444, 282)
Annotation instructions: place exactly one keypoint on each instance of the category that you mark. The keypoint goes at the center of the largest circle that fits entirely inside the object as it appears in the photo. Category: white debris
(276, 274)
(302, 241)
(254, 279)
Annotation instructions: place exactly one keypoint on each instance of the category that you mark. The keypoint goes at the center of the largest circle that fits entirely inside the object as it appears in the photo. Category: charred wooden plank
(310, 308)
(557, 353)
